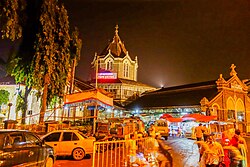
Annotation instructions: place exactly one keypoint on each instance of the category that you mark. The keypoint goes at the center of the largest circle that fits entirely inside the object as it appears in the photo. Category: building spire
(116, 29)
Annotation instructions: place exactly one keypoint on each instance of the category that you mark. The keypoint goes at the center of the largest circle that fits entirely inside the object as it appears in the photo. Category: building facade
(115, 71)
(225, 98)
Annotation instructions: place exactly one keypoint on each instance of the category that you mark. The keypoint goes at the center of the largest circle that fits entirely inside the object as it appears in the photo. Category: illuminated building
(116, 72)
(226, 98)
(16, 91)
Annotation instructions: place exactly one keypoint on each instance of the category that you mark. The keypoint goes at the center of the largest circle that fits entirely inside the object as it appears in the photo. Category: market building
(115, 71)
(225, 98)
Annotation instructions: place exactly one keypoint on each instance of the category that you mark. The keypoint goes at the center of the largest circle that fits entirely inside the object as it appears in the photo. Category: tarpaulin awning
(166, 116)
(88, 95)
(199, 117)
(207, 118)
(174, 119)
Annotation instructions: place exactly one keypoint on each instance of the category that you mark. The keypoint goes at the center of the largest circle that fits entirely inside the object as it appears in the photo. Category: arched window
(240, 110)
(126, 69)
(215, 110)
(230, 109)
(109, 65)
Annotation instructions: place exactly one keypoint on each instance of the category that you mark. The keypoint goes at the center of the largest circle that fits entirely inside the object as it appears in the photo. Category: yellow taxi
(70, 143)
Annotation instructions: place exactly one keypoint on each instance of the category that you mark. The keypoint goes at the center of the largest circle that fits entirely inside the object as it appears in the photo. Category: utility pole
(96, 71)
(96, 86)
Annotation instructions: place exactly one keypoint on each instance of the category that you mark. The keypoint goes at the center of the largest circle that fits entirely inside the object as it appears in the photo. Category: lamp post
(96, 71)
(10, 104)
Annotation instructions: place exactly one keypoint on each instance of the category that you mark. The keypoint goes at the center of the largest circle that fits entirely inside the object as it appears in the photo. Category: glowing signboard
(107, 76)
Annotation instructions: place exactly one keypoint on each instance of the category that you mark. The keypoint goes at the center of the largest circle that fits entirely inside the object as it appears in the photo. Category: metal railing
(124, 152)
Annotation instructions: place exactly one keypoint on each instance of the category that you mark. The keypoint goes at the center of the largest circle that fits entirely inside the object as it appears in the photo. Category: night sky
(177, 41)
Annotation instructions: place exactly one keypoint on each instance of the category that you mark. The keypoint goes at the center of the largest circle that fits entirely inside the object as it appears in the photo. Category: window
(31, 139)
(109, 65)
(241, 116)
(126, 69)
(230, 114)
(53, 137)
(69, 136)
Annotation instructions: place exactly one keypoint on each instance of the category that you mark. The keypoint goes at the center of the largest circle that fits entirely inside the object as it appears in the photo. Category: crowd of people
(230, 152)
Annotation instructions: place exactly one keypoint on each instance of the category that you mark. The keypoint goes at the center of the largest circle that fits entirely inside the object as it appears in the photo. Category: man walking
(205, 132)
(198, 132)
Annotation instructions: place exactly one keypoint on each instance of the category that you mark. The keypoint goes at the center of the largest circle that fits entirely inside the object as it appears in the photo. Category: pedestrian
(180, 132)
(155, 152)
(198, 132)
(239, 142)
(199, 135)
(152, 130)
(205, 132)
(132, 148)
(212, 152)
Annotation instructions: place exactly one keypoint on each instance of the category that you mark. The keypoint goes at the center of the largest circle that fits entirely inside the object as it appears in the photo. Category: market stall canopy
(207, 118)
(199, 117)
(174, 119)
(95, 94)
(166, 116)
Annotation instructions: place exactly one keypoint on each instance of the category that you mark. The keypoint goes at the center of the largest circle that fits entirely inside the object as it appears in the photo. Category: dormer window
(109, 65)
(126, 69)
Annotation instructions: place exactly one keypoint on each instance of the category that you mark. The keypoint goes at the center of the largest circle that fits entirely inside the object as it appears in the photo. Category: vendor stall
(86, 105)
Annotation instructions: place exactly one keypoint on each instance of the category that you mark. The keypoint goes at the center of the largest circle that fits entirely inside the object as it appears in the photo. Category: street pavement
(184, 151)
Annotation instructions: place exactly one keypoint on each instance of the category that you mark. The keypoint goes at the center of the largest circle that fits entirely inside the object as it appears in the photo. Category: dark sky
(177, 41)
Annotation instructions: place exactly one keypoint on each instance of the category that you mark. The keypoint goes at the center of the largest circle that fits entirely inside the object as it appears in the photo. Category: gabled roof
(124, 81)
(116, 47)
(178, 96)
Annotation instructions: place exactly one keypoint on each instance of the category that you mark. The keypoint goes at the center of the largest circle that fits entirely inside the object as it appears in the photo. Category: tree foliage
(47, 50)
(11, 20)
(4, 96)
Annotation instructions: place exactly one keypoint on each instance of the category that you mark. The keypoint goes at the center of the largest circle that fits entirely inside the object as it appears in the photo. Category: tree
(46, 52)
(4, 97)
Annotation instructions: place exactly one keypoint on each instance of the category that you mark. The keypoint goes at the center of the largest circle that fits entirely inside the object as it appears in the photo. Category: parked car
(24, 148)
(161, 127)
(70, 142)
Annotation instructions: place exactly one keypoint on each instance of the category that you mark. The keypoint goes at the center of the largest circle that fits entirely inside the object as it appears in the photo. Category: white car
(70, 142)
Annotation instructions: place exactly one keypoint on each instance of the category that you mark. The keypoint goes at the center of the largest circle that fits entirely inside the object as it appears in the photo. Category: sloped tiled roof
(124, 81)
(185, 95)
(82, 85)
(116, 46)
(7, 80)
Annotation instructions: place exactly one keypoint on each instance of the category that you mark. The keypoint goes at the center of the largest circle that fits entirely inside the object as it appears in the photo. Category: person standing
(198, 132)
(239, 142)
(152, 131)
(132, 148)
(205, 132)
(214, 153)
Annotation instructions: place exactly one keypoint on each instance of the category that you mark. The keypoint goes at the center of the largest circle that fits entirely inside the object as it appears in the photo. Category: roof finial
(233, 72)
(116, 29)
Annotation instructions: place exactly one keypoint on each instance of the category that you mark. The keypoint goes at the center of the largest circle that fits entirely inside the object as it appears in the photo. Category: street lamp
(10, 104)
